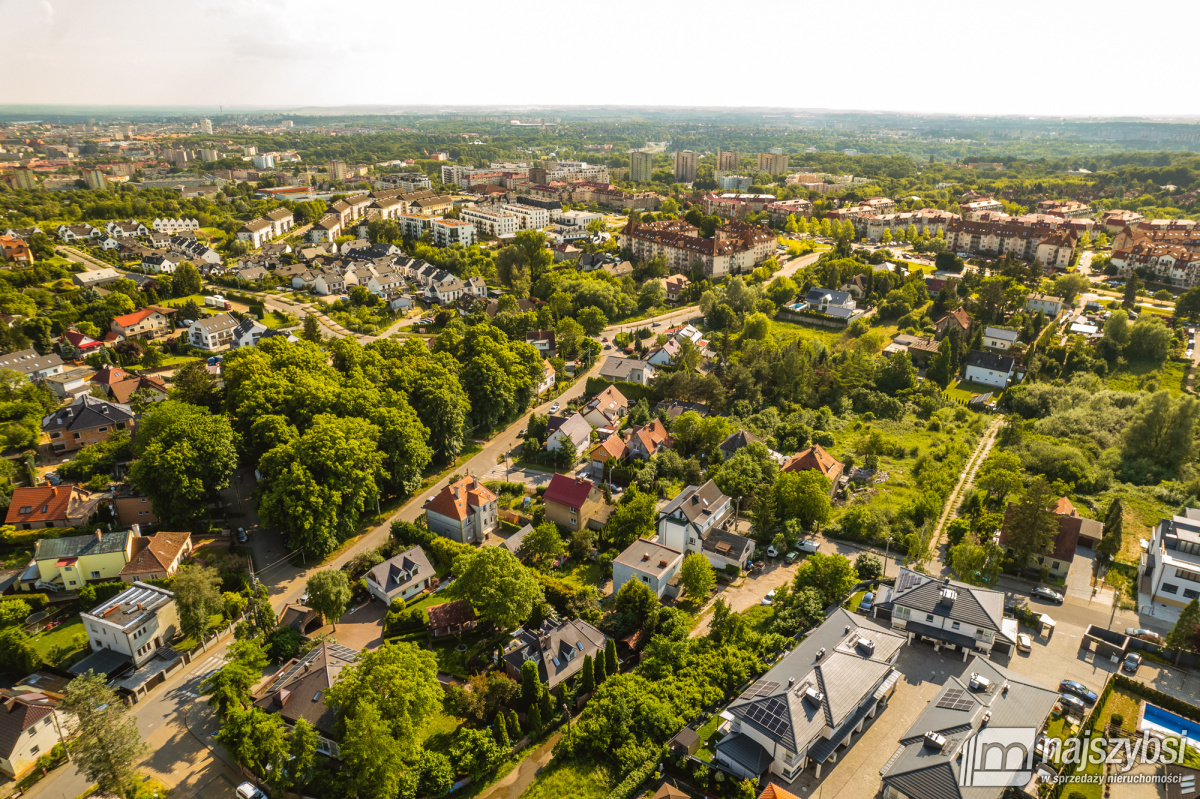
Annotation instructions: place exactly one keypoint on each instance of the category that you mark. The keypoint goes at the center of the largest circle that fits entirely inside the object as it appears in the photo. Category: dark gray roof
(108, 662)
(816, 294)
(395, 574)
(560, 648)
(76, 546)
(746, 751)
(980, 607)
(85, 413)
(694, 502)
(949, 636)
(990, 360)
(742, 438)
(925, 772)
(727, 544)
(514, 541)
(28, 361)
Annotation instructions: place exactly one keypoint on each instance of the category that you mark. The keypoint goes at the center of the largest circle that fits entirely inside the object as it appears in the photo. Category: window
(929, 618)
(1189, 593)
(954, 626)
(72, 582)
(95, 575)
(1187, 575)
(34, 750)
(46, 721)
(645, 579)
(1167, 588)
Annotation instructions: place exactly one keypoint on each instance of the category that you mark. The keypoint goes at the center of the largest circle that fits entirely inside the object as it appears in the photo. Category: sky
(1035, 57)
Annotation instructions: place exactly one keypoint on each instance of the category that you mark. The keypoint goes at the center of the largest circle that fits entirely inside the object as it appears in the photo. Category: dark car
(1132, 661)
(1042, 592)
(1072, 704)
(1079, 689)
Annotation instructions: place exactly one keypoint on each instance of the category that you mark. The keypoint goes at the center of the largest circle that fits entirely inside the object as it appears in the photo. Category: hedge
(27, 538)
(443, 551)
(630, 391)
(1165, 701)
(630, 785)
(36, 601)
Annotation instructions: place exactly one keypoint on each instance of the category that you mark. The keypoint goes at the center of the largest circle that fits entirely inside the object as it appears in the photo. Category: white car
(247, 791)
(769, 599)
(772, 552)
(1024, 643)
(554, 408)
(809, 545)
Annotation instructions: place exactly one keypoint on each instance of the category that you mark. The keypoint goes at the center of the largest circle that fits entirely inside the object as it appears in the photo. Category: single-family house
(67, 564)
(627, 370)
(451, 618)
(401, 577)
(816, 458)
(87, 420)
(1047, 304)
(213, 333)
(646, 441)
(573, 428)
(990, 368)
(35, 507)
(247, 333)
(159, 263)
(956, 320)
(559, 648)
(831, 302)
(156, 557)
(465, 511)
(606, 409)
(149, 322)
(300, 689)
(132, 506)
(29, 363)
(611, 447)
(692, 523)
(31, 725)
(650, 563)
(573, 503)
(95, 278)
(1072, 529)
(666, 354)
(997, 338)
(949, 614)
(543, 340)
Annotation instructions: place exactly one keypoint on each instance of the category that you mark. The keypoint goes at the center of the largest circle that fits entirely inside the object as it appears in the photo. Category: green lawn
(1118, 702)
(787, 332)
(759, 617)
(578, 779)
(707, 733)
(853, 602)
(62, 643)
(579, 574)
(962, 390)
(276, 320)
(1172, 376)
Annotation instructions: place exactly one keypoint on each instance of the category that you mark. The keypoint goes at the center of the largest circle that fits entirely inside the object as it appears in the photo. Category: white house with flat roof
(1169, 570)
(650, 563)
(137, 622)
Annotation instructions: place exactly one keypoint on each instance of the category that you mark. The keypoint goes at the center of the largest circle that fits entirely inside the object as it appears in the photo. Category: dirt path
(965, 481)
(517, 781)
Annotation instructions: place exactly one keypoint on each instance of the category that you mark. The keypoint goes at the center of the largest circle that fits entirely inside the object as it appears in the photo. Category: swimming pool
(1155, 719)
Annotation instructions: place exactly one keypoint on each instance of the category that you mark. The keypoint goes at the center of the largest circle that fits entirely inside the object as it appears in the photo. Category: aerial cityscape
(599, 439)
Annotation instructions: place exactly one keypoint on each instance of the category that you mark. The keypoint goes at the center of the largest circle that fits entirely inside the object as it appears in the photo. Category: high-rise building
(209, 155)
(728, 160)
(338, 170)
(25, 178)
(287, 123)
(773, 163)
(94, 178)
(251, 150)
(206, 127)
(641, 165)
(265, 161)
(685, 166)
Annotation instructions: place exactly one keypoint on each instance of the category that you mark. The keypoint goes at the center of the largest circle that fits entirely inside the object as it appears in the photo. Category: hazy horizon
(1041, 59)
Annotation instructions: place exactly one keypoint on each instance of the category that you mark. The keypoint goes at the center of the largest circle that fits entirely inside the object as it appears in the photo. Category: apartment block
(685, 166)
(773, 163)
(641, 165)
(491, 223)
(729, 160)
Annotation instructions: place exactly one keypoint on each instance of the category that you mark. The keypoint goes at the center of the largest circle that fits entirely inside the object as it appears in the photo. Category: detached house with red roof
(157, 556)
(647, 440)
(1072, 529)
(49, 506)
(150, 321)
(574, 503)
(606, 409)
(955, 320)
(816, 458)
(464, 511)
(30, 727)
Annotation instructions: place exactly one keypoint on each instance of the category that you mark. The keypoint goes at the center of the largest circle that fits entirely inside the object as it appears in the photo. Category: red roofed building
(958, 319)
(817, 459)
(611, 447)
(82, 342)
(156, 557)
(149, 321)
(49, 506)
(646, 440)
(572, 502)
(464, 511)
(1072, 529)
(15, 250)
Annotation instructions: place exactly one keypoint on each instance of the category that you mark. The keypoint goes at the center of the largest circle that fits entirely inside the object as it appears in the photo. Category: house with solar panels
(813, 702)
(300, 688)
(948, 614)
(940, 754)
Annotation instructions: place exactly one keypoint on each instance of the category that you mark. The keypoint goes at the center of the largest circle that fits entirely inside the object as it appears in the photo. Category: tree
(398, 679)
(1149, 340)
(592, 319)
(329, 594)
(1001, 474)
(581, 543)
(501, 590)
(186, 280)
(868, 566)
(197, 595)
(312, 329)
(756, 327)
(105, 743)
(1162, 429)
(587, 676)
(1132, 287)
(258, 741)
(303, 752)
(1070, 285)
(184, 456)
(531, 684)
(1032, 525)
(831, 575)
(633, 519)
(637, 605)
(600, 671)
(1111, 541)
(543, 544)
(1183, 635)
(374, 759)
(976, 562)
(803, 496)
(941, 368)
(886, 236)
(611, 665)
(696, 575)
(228, 688)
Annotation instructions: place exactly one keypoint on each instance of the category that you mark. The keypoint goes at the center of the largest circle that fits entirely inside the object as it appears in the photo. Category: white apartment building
(491, 223)
(137, 622)
(1169, 571)
(214, 333)
(529, 217)
(172, 225)
(452, 231)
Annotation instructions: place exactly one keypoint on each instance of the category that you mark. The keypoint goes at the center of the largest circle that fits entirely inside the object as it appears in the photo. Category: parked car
(554, 408)
(1145, 635)
(868, 602)
(772, 552)
(247, 791)
(809, 546)
(242, 538)
(769, 599)
(792, 556)
(656, 324)
(1050, 595)
(1072, 704)
(1024, 642)
(1079, 689)
(1132, 661)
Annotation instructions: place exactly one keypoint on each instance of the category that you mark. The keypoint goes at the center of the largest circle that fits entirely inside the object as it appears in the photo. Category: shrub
(634, 780)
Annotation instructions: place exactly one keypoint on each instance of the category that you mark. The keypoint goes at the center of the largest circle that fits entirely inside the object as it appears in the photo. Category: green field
(1172, 376)
(574, 778)
(61, 644)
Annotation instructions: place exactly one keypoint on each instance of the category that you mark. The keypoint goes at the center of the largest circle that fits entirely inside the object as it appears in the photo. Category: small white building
(990, 368)
(1051, 306)
(137, 622)
(997, 338)
(648, 562)
(401, 577)
(214, 333)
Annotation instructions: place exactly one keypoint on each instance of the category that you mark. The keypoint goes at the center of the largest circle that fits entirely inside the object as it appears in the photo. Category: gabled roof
(979, 607)
(158, 552)
(395, 574)
(45, 504)
(991, 360)
(299, 691)
(574, 427)
(123, 390)
(1010, 336)
(736, 441)
(460, 499)
(85, 413)
(572, 492)
(695, 502)
(19, 712)
(959, 316)
(611, 447)
(815, 457)
(561, 648)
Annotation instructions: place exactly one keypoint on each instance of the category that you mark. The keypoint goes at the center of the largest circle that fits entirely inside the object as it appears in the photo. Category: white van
(809, 546)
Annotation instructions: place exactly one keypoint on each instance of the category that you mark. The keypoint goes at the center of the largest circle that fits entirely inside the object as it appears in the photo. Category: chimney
(54, 491)
(98, 535)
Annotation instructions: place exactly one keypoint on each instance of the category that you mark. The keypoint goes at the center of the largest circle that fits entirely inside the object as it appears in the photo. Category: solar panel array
(956, 699)
(762, 688)
(771, 715)
(909, 580)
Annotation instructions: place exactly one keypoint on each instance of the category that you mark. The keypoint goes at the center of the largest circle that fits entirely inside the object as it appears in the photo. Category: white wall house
(989, 368)
(647, 562)
(137, 622)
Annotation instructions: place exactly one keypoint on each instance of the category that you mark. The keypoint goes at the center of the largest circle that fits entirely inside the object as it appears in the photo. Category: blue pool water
(1170, 723)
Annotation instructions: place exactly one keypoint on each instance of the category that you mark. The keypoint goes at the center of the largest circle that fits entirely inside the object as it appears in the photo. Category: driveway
(360, 627)
(1079, 578)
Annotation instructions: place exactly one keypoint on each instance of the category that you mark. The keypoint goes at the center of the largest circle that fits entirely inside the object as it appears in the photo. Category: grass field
(1172, 376)
(787, 332)
(962, 390)
(575, 778)
(61, 643)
